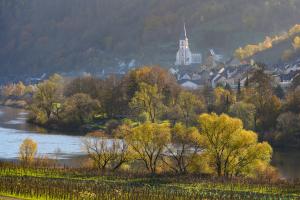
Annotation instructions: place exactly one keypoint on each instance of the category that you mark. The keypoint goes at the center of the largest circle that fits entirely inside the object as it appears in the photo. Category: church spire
(184, 30)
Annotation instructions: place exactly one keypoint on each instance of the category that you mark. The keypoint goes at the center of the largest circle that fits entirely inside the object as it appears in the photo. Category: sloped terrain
(46, 36)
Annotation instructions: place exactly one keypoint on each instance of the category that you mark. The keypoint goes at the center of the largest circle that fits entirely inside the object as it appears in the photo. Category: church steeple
(185, 35)
(184, 56)
(184, 41)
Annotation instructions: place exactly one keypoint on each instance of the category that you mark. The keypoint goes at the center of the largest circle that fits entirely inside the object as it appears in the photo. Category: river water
(14, 129)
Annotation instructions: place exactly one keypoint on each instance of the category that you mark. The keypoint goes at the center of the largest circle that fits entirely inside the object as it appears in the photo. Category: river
(14, 129)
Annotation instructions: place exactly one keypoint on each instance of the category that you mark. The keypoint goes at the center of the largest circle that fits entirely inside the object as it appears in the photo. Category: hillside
(46, 36)
(273, 50)
(280, 53)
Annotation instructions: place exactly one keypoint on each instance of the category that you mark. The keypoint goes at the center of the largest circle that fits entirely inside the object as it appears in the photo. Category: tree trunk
(219, 167)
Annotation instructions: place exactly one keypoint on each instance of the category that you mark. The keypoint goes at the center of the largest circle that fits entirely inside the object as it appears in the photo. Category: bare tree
(106, 153)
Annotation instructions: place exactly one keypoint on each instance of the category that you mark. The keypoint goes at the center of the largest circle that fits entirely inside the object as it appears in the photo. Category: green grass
(18, 196)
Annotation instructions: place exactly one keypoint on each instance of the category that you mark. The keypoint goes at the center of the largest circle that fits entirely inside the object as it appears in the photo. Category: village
(196, 70)
(193, 72)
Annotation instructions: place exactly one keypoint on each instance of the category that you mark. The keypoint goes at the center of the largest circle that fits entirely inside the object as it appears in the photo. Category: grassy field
(83, 184)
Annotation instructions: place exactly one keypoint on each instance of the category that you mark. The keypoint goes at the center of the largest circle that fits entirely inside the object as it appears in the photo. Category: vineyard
(59, 184)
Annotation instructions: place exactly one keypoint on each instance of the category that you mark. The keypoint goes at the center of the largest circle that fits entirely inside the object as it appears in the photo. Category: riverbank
(14, 103)
(55, 126)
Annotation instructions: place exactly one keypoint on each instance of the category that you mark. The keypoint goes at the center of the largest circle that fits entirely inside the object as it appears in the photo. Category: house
(231, 75)
(188, 84)
(185, 77)
(287, 79)
(291, 68)
(196, 76)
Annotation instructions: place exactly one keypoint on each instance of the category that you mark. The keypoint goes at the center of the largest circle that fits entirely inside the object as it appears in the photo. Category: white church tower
(184, 55)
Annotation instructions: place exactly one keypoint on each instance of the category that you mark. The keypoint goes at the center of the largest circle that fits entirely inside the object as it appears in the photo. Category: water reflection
(287, 162)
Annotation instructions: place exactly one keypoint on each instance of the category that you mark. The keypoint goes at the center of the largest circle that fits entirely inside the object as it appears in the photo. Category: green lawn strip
(39, 173)
(22, 197)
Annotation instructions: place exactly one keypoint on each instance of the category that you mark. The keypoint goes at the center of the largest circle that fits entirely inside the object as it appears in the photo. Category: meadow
(69, 183)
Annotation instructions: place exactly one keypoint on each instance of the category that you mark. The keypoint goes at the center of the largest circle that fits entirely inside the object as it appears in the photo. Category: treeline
(152, 94)
(217, 145)
(88, 100)
(158, 126)
(50, 36)
(16, 95)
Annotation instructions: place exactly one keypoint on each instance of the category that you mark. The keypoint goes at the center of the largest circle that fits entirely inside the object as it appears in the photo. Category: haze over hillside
(69, 35)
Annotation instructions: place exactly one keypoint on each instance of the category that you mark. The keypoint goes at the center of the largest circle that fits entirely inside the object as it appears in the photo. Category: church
(184, 55)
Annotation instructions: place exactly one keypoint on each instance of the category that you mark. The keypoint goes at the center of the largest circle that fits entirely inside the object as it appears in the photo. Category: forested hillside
(70, 35)
(273, 50)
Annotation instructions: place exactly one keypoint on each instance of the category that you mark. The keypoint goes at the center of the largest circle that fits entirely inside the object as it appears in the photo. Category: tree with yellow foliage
(165, 82)
(27, 151)
(295, 29)
(48, 93)
(233, 150)
(223, 99)
(147, 100)
(148, 142)
(189, 106)
(183, 149)
(19, 89)
(296, 43)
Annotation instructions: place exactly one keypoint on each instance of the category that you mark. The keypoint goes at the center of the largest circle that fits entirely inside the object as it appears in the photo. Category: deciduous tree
(222, 100)
(233, 150)
(27, 151)
(106, 153)
(262, 96)
(184, 147)
(48, 93)
(293, 100)
(189, 106)
(245, 112)
(148, 100)
(148, 142)
(80, 108)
